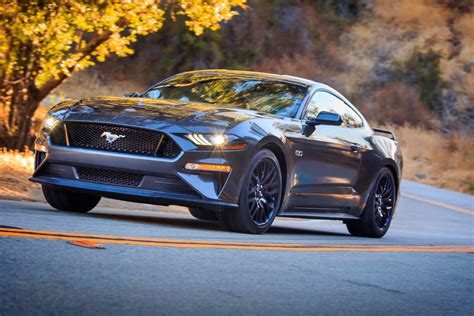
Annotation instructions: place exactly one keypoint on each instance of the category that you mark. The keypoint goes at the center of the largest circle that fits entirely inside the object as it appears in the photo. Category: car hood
(172, 115)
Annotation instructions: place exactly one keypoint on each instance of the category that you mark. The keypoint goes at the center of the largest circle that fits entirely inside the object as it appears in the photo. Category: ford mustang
(236, 147)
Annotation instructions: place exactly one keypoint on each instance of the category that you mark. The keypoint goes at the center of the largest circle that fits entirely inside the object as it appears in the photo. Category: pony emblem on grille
(110, 138)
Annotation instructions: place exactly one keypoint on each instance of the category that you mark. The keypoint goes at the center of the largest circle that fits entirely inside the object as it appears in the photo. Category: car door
(327, 162)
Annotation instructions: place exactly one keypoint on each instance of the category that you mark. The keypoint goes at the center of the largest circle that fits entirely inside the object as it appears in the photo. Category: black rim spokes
(263, 191)
(384, 198)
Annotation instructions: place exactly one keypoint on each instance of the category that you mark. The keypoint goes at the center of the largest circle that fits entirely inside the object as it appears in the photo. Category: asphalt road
(169, 263)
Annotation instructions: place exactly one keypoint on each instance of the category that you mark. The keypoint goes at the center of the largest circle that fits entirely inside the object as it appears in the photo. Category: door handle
(355, 147)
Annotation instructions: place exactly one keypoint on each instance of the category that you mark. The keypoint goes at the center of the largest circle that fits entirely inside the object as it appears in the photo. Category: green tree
(43, 41)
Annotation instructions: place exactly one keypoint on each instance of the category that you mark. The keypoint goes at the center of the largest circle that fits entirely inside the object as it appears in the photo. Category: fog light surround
(207, 167)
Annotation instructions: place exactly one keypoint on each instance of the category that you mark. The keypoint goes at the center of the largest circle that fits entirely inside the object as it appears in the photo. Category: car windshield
(270, 96)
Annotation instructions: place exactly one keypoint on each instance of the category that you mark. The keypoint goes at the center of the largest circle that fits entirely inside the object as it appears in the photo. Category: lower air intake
(109, 177)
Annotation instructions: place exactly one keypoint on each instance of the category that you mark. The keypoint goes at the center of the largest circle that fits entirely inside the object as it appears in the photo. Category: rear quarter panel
(385, 152)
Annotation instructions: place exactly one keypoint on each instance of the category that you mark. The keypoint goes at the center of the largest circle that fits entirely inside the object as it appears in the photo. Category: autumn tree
(43, 42)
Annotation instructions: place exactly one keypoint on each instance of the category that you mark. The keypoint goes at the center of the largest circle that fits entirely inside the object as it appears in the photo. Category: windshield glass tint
(279, 98)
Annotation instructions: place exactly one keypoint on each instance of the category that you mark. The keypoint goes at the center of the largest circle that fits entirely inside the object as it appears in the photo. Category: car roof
(312, 85)
(256, 74)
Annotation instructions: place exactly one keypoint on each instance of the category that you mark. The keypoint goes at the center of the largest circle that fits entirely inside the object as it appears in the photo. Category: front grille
(109, 176)
(58, 135)
(169, 149)
(130, 140)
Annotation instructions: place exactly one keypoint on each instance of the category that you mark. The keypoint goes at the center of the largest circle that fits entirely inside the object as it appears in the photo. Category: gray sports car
(233, 146)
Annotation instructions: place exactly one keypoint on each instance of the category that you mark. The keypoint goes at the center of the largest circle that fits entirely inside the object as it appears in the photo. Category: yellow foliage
(54, 38)
(208, 13)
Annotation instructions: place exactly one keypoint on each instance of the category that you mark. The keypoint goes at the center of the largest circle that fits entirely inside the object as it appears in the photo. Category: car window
(279, 98)
(324, 101)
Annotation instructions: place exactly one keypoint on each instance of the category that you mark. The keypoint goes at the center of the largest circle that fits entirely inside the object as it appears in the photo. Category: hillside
(414, 56)
(403, 63)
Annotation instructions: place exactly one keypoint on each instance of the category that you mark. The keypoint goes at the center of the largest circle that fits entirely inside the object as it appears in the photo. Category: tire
(69, 201)
(377, 216)
(260, 197)
(203, 214)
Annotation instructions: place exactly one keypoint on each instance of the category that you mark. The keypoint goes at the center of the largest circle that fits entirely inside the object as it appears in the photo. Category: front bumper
(165, 181)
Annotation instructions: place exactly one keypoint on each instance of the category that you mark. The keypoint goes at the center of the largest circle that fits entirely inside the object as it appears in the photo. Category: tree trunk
(24, 136)
(22, 105)
(19, 95)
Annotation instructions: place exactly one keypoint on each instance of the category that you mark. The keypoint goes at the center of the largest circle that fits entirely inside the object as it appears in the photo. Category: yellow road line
(191, 241)
(176, 243)
(440, 204)
(180, 241)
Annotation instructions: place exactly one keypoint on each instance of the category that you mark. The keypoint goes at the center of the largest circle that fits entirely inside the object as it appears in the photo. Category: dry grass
(15, 169)
(436, 159)
(400, 103)
(409, 13)
(464, 25)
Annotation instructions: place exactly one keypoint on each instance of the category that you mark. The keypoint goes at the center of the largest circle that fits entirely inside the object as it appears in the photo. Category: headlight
(219, 141)
(49, 122)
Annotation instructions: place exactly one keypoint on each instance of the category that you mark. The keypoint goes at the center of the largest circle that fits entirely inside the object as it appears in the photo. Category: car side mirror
(132, 95)
(323, 118)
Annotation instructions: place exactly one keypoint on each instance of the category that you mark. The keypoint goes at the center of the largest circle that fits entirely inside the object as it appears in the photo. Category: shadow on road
(301, 231)
(162, 220)
(179, 221)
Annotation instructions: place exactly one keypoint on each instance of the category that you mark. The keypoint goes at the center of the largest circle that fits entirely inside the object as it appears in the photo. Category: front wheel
(377, 215)
(259, 198)
(64, 200)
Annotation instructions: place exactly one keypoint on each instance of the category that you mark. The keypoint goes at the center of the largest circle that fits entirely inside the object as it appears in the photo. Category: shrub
(397, 103)
(423, 70)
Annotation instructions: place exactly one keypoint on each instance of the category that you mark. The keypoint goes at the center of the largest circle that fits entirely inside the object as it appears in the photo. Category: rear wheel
(378, 212)
(203, 214)
(70, 201)
(259, 198)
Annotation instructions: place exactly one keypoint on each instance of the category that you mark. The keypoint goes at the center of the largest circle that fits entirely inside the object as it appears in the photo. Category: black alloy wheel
(377, 215)
(260, 197)
(263, 192)
(383, 203)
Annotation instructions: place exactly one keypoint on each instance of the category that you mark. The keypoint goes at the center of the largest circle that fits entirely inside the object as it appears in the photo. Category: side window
(326, 102)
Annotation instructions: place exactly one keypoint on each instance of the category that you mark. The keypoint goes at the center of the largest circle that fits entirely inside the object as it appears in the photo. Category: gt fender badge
(299, 153)
(110, 138)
